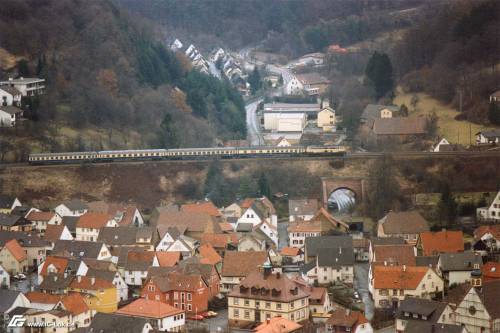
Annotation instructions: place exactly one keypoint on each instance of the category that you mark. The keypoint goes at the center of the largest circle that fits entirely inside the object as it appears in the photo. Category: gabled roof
(53, 232)
(174, 232)
(16, 250)
(123, 213)
(394, 255)
(7, 299)
(193, 222)
(139, 260)
(314, 245)
(79, 249)
(56, 282)
(492, 229)
(42, 298)
(272, 287)
(491, 270)
(10, 109)
(489, 296)
(346, 318)
(6, 201)
(278, 325)
(70, 222)
(208, 255)
(409, 222)
(59, 263)
(7, 220)
(302, 206)
(400, 126)
(93, 220)
(445, 241)
(463, 261)
(25, 239)
(372, 111)
(206, 207)
(323, 214)
(168, 259)
(90, 283)
(74, 303)
(386, 241)
(242, 263)
(178, 281)
(336, 257)
(149, 309)
(40, 216)
(123, 235)
(423, 307)
(76, 204)
(290, 251)
(398, 277)
(219, 241)
(11, 90)
(115, 323)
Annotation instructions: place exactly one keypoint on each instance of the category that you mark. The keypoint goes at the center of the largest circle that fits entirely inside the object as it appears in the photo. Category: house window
(247, 314)
(268, 305)
(189, 296)
(247, 302)
(235, 301)
(189, 307)
(278, 306)
(395, 292)
(151, 288)
(236, 313)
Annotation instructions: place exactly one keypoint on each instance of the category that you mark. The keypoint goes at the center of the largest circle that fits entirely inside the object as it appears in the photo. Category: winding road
(254, 136)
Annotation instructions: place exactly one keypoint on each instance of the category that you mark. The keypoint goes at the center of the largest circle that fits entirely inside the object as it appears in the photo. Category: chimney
(266, 269)
(79, 278)
(92, 280)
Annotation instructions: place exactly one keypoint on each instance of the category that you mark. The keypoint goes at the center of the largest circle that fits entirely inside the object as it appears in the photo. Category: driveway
(361, 285)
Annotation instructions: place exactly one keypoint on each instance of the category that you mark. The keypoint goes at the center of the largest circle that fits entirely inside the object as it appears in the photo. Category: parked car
(196, 317)
(209, 314)
(20, 276)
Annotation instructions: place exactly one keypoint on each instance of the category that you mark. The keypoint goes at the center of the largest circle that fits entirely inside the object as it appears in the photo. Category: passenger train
(186, 154)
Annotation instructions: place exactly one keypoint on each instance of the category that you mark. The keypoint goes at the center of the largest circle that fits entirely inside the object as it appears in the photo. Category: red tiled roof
(74, 303)
(219, 241)
(346, 318)
(149, 309)
(278, 325)
(290, 251)
(491, 271)
(493, 229)
(202, 207)
(93, 220)
(58, 262)
(42, 298)
(400, 254)
(40, 216)
(242, 263)
(209, 255)
(226, 227)
(434, 243)
(86, 283)
(398, 277)
(16, 250)
(53, 232)
(168, 259)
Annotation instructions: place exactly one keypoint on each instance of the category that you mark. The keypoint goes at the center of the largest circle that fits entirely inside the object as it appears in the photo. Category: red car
(196, 317)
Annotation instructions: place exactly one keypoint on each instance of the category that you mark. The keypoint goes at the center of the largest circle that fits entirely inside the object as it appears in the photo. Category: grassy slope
(453, 130)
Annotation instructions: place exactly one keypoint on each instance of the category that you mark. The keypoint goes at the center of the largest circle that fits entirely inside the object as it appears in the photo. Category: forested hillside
(105, 70)
(291, 27)
(454, 52)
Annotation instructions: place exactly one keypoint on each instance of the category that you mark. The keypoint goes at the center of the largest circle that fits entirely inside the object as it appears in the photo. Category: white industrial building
(282, 122)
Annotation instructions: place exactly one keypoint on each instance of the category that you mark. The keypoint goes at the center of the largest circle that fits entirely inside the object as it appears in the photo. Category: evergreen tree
(246, 188)
(216, 188)
(404, 110)
(255, 80)
(264, 188)
(494, 113)
(168, 132)
(384, 188)
(379, 72)
(23, 68)
(447, 206)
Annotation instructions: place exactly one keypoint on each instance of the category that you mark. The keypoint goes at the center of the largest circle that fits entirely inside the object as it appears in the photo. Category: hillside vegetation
(107, 73)
(290, 27)
(453, 53)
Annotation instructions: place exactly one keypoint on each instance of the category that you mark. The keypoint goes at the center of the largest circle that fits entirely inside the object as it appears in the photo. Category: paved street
(361, 285)
(254, 136)
(216, 324)
(390, 329)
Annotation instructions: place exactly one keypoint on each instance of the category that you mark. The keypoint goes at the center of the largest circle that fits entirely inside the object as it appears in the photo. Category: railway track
(347, 156)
